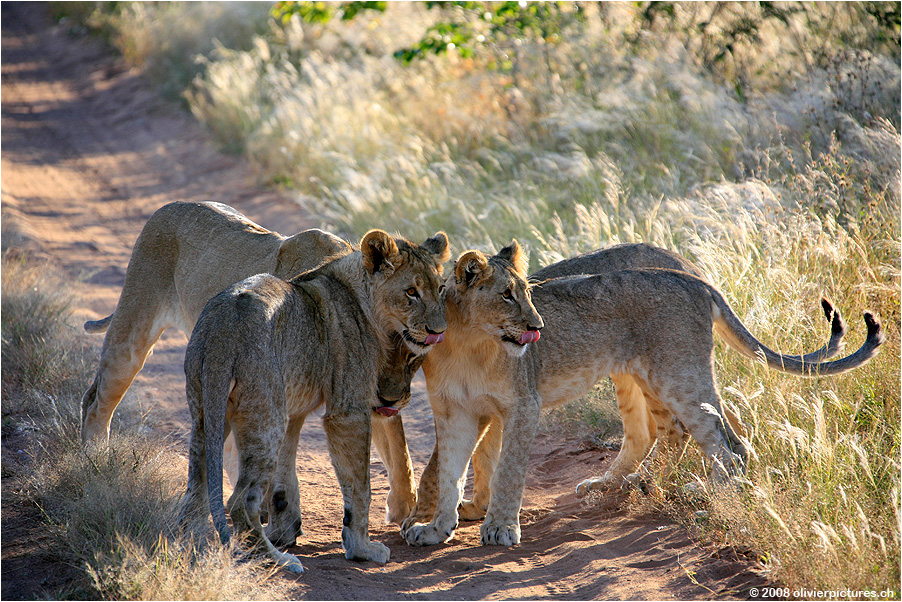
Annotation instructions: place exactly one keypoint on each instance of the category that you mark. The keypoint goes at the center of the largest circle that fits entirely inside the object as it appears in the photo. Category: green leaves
(467, 28)
(323, 12)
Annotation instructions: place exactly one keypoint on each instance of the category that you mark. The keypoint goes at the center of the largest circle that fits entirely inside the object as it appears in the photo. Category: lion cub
(266, 351)
(644, 422)
(654, 325)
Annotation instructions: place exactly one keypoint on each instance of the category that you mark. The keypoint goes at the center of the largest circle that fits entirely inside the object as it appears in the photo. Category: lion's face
(494, 295)
(408, 290)
(408, 298)
(398, 369)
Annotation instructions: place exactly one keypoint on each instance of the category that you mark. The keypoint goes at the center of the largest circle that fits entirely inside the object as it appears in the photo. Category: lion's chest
(466, 383)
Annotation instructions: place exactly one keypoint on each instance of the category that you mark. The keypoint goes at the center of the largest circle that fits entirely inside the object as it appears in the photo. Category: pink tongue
(431, 339)
(530, 336)
(387, 411)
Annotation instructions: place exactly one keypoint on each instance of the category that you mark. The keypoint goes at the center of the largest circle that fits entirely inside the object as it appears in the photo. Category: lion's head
(493, 294)
(408, 297)
(395, 373)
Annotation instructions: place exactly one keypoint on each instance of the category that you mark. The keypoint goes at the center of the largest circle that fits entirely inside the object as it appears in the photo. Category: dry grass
(775, 165)
(115, 506)
(112, 505)
(42, 363)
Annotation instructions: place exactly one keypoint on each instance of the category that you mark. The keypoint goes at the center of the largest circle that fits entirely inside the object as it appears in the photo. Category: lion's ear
(437, 245)
(470, 267)
(379, 251)
(514, 254)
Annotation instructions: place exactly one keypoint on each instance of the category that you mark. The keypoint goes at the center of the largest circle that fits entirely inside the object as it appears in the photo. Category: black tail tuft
(876, 336)
(837, 324)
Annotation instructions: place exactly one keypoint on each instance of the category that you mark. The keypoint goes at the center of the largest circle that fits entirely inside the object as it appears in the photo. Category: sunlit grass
(772, 160)
(111, 506)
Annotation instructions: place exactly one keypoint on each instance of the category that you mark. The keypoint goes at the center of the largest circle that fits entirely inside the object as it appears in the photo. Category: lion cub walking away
(186, 253)
(655, 325)
(266, 352)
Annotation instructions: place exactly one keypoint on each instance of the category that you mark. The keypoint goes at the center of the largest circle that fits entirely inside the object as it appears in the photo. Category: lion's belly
(301, 399)
(569, 379)
(566, 385)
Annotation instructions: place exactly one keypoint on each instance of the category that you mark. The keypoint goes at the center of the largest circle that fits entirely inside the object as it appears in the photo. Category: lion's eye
(412, 292)
(507, 296)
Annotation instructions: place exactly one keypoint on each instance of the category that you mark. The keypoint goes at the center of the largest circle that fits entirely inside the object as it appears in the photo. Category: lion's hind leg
(258, 442)
(195, 503)
(639, 432)
(285, 501)
(128, 343)
(698, 407)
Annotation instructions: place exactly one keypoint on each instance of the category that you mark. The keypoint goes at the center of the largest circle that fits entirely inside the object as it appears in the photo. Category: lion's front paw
(500, 535)
(370, 550)
(426, 535)
(470, 510)
(399, 506)
(606, 481)
(416, 516)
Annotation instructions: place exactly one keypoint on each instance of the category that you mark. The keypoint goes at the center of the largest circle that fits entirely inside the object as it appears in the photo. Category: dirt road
(89, 152)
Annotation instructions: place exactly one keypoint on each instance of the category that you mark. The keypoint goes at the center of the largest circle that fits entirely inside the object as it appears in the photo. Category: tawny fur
(644, 422)
(185, 255)
(265, 353)
(654, 325)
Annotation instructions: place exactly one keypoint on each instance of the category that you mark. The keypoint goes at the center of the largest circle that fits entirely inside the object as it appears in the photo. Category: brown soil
(88, 153)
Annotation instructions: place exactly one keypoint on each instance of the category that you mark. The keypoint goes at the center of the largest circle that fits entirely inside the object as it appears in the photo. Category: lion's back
(235, 329)
(618, 257)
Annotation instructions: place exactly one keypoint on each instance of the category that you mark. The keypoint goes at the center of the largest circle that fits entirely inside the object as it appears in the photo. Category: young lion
(265, 352)
(643, 422)
(660, 424)
(656, 325)
(185, 255)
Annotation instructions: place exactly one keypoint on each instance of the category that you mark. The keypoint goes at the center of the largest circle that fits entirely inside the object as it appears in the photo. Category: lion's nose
(387, 403)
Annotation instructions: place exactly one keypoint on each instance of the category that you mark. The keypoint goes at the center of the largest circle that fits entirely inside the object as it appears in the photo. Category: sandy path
(89, 152)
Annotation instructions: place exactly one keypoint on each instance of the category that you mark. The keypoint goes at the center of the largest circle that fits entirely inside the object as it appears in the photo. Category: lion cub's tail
(736, 335)
(98, 326)
(215, 394)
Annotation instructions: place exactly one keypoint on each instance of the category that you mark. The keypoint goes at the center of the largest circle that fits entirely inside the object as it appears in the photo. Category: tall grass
(759, 139)
(112, 506)
(43, 366)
